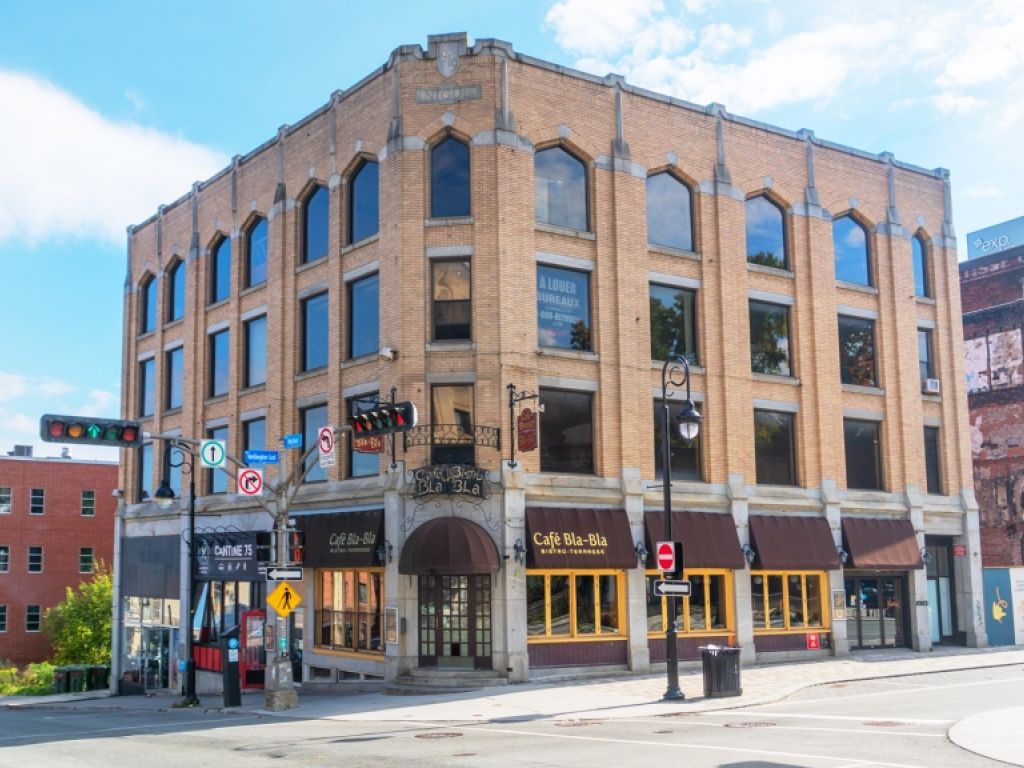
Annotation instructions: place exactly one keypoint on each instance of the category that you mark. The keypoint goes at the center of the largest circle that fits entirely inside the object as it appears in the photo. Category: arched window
(922, 286)
(176, 291)
(561, 189)
(363, 203)
(314, 225)
(256, 253)
(147, 305)
(220, 271)
(766, 233)
(850, 241)
(449, 179)
(669, 212)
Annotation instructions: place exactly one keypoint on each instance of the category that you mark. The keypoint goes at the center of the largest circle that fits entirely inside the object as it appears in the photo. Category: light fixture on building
(843, 555)
(748, 554)
(387, 353)
(641, 554)
(384, 552)
(519, 551)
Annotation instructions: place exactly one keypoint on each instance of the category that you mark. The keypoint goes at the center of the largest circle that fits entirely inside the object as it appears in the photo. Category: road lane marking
(65, 735)
(908, 690)
(739, 714)
(867, 729)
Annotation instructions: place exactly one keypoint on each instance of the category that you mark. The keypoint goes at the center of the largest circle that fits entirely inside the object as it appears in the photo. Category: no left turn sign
(250, 482)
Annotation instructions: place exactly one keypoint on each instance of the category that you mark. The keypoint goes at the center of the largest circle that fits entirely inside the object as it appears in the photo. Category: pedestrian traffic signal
(384, 419)
(265, 549)
(296, 542)
(85, 430)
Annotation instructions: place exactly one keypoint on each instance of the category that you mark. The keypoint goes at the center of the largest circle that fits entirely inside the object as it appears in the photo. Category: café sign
(226, 557)
(449, 480)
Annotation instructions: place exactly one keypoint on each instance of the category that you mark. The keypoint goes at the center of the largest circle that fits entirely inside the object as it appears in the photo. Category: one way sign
(250, 481)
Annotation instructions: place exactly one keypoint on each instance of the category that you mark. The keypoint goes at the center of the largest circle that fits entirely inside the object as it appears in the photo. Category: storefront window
(536, 607)
(705, 610)
(350, 610)
(787, 601)
(609, 604)
(574, 604)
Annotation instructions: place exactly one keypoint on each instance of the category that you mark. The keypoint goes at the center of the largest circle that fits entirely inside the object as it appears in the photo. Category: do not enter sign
(665, 556)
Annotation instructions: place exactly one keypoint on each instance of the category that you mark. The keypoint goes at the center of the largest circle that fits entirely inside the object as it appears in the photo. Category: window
(176, 291)
(931, 460)
(217, 479)
(857, 351)
(452, 290)
(705, 610)
(220, 271)
(85, 560)
(5, 558)
(922, 285)
(256, 351)
(563, 308)
(774, 448)
(449, 179)
(33, 618)
(312, 419)
(924, 353)
(35, 559)
(147, 305)
(364, 316)
(685, 459)
(254, 435)
(787, 600)
(350, 610)
(451, 413)
(567, 432)
(220, 353)
(88, 503)
(174, 392)
(220, 605)
(256, 253)
(850, 242)
(766, 233)
(574, 604)
(5, 500)
(669, 212)
(561, 189)
(769, 339)
(36, 501)
(315, 225)
(3, 618)
(673, 323)
(364, 454)
(145, 470)
(147, 386)
(314, 332)
(863, 454)
(364, 203)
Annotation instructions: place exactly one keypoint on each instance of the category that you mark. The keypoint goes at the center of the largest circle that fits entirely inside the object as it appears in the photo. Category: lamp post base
(673, 694)
(278, 701)
(280, 693)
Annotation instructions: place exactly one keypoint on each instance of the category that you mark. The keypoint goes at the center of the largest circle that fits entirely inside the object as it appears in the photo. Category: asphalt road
(899, 722)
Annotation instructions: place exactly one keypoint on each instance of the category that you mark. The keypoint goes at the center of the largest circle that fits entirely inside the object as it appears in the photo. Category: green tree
(79, 627)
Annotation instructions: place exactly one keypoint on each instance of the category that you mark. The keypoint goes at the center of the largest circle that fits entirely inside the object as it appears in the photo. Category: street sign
(665, 588)
(284, 599)
(284, 574)
(665, 556)
(213, 453)
(250, 482)
(325, 441)
(261, 457)
(293, 441)
(813, 641)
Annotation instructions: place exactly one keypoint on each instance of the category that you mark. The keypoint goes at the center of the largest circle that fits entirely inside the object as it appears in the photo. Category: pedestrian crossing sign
(284, 599)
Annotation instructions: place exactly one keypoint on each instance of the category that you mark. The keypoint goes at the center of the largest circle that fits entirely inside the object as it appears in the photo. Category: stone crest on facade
(448, 58)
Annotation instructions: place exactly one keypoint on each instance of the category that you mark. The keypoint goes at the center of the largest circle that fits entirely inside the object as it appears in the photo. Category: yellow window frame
(788, 627)
(573, 574)
(730, 611)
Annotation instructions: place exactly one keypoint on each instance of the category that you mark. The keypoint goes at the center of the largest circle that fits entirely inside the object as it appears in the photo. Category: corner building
(518, 247)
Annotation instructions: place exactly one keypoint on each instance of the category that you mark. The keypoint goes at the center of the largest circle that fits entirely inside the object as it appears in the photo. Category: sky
(111, 108)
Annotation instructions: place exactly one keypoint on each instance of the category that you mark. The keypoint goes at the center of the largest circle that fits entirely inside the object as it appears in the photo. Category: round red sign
(665, 554)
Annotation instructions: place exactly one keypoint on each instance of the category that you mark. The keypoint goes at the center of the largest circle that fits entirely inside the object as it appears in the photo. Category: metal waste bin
(98, 678)
(60, 680)
(721, 671)
(76, 678)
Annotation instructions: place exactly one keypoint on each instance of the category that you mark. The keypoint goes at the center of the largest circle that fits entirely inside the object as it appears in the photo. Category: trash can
(60, 680)
(721, 671)
(98, 678)
(76, 678)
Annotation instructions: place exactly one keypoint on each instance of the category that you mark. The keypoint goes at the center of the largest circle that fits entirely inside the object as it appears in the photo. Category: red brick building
(56, 525)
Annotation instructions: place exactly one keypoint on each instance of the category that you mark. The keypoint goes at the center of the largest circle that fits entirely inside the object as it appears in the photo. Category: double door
(455, 621)
(875, 610)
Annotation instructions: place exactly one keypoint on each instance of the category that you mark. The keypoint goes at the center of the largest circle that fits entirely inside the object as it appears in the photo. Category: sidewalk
(612, 697)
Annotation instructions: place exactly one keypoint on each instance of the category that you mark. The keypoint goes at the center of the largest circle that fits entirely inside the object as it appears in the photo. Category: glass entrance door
(156, 649)
(875, 615)
(455, 621)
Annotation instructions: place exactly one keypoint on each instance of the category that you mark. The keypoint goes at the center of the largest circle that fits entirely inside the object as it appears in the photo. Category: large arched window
(176, 291)
(669, 212)
(256, 253)
(314, 225)
(147, 305)
(449, 179)
(220, 271)
(850, 241)
(922, 285)
(363, 203)
(766, 233)
(561, 189)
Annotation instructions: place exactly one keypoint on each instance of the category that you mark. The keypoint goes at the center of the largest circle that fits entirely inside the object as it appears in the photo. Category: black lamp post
(688, 424)
(165, 497)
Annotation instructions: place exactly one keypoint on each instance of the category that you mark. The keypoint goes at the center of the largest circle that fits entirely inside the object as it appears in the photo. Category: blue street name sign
(261, 457)
(293, 441)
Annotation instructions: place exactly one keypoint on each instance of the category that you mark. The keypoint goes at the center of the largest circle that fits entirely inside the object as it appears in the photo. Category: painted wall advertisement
(1004, 605)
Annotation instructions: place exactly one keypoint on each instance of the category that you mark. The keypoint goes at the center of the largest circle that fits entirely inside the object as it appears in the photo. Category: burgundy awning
(881, 543)
(561, 537)
(791, 543)
(449, 546)
(709, 539)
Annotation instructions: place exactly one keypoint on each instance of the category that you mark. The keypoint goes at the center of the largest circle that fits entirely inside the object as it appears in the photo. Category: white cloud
(100, 403)
(983, 192)
(134, 97)
(74, 173)
(12, 385)
(600, 27)
(954, 103)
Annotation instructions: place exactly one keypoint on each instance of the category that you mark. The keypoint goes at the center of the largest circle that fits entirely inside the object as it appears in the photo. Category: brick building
(56, 524)
(469, 227)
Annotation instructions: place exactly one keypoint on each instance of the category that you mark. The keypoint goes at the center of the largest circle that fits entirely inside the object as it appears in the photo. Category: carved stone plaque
(448, 58)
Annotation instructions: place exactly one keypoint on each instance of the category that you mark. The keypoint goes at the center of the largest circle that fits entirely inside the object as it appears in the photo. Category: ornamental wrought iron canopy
(452, 435)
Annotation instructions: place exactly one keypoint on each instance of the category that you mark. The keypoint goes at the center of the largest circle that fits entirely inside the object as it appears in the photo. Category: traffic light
(384, 419)
(296, 541)
(84, 430)
(265, 546)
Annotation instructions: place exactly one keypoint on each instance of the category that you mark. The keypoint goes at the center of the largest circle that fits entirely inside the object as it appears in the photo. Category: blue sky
(111, 108)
